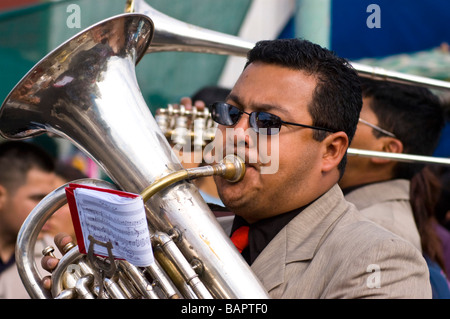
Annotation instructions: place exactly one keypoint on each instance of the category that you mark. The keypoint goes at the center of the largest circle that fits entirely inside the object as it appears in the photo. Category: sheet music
(119, 220)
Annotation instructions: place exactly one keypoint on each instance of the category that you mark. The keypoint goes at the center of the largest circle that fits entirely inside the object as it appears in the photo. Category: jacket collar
(376, 193)
(299, 240)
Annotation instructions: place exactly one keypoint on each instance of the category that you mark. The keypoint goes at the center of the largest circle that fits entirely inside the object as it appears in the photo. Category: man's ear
(336, 145)
(390, 145)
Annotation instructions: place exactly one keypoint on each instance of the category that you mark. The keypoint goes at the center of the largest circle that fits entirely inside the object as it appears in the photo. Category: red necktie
(240, 238)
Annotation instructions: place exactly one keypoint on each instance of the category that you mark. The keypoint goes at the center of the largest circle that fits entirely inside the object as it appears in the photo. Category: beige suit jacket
(330, 251)
(387, 204)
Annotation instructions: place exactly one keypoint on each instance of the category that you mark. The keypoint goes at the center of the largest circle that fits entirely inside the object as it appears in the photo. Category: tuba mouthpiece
(234, 168)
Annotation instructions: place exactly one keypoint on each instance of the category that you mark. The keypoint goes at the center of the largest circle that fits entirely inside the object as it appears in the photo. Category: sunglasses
(261, 122)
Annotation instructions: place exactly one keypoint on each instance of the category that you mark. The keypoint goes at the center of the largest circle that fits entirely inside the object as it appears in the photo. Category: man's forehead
(367, 112)
(254, 104)
(35, 175)
(286, 95)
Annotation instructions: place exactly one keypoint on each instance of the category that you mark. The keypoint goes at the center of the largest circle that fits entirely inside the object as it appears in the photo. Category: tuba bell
(86, 91)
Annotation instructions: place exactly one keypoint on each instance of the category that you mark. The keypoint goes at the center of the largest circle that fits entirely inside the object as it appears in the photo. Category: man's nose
(244, 122)
(243, 134)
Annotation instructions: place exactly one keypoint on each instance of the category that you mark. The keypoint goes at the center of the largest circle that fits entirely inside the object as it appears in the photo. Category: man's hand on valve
(50, 262)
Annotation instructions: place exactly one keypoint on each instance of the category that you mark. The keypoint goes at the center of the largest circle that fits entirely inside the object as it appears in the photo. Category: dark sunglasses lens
(265, 123)
(225, 114)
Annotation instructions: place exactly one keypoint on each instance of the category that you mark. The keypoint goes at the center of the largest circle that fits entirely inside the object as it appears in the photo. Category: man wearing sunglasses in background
(394, 118)
(304, 239)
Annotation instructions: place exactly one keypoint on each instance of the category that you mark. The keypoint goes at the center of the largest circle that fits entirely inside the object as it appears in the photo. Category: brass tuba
(86, 91)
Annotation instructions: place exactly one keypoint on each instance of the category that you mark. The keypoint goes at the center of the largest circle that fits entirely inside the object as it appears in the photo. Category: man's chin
(234, 195)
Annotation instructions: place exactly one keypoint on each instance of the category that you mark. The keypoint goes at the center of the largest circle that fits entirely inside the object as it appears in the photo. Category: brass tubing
(83, 287)
(231, 168)
(188, 273)
(172, 271)
(144, 287)
(400, 157)
(67, 294)
(160, 278)
(162, 183)
(377, 73)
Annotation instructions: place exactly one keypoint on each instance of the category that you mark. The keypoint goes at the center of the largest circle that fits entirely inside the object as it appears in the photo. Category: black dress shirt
(262, 232)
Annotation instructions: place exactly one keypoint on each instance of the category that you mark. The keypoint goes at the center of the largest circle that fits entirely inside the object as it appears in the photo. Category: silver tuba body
(87, 92)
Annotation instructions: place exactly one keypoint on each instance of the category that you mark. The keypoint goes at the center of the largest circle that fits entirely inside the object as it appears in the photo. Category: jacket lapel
(299, 240)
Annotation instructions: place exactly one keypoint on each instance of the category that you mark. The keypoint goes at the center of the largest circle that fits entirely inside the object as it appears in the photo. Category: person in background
(395, 118)
(442, 211)
(26, 177)
(61, 220)
(424, 194)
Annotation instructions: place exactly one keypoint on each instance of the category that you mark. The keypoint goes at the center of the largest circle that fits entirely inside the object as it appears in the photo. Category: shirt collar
(262, 232)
